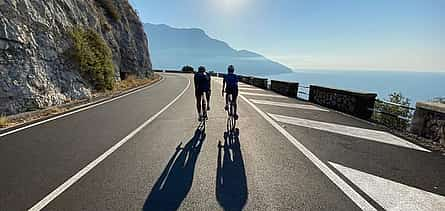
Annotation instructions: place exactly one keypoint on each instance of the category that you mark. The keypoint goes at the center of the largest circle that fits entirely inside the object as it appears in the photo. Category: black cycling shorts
(199, 93)
(233, 91)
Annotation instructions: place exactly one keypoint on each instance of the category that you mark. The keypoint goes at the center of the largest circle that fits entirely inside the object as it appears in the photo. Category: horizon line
(299, 69)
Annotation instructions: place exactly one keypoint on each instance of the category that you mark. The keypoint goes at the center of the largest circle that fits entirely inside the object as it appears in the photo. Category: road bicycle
(231, 120)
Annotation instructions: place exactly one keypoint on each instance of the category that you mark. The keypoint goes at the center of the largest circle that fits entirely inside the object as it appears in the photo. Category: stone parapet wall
(289, 89)
(429, 121)
(354, 103)
(259, 82)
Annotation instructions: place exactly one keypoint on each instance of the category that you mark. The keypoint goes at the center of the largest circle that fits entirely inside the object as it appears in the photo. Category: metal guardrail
(395, 104)
(389, 114)
(304, 87)
(404, 118)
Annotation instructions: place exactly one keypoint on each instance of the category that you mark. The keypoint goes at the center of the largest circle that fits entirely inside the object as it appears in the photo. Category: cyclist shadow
(176, 179)
(231, 183)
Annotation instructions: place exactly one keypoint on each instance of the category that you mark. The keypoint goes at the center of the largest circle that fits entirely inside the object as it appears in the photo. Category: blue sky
(316, 34)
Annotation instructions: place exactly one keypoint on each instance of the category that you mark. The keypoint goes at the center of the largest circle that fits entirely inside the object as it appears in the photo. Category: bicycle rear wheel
(231, 121)
(204, 106)
(231, 124)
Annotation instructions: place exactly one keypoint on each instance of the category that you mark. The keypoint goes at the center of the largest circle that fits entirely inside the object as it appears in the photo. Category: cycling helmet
(201, 69)
(231, 69)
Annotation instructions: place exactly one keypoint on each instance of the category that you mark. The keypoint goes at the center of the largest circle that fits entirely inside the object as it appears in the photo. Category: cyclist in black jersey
(202, 87)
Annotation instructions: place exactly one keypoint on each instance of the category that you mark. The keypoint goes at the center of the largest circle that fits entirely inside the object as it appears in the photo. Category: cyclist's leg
(198, 96)
(208, 93)
(204, 104)
(226, 107)
(234, 101)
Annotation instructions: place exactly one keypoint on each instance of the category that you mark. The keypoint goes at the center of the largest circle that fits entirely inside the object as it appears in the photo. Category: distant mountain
(172, 48)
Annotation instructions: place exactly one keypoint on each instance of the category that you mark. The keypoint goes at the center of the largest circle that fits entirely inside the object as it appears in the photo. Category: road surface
(147, 151)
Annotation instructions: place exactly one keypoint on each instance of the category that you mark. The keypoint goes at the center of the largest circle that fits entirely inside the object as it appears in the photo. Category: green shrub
(110, 9)
(187, 69)
(390, 114)
(94, 58)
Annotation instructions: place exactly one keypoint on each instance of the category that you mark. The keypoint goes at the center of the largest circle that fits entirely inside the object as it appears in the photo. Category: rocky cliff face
(36, 70)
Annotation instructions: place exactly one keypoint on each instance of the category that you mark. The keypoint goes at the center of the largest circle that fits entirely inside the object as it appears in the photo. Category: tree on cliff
(188, 69)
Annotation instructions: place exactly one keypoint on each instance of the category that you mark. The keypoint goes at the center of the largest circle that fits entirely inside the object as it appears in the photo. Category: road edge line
(340, 183)
(68, 183)
(79, 108)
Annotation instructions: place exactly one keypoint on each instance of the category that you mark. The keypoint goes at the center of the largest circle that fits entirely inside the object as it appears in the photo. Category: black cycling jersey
(202, 82)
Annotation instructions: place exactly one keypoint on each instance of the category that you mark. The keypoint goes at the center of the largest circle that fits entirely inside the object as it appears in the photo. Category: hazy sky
(316, 34)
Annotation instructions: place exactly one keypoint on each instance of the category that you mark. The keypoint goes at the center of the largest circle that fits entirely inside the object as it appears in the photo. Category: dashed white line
(244, 85)
(341, 184)
(289, 105)
(250, 89)
(368, 134)
(396, 196)
(68, 183)
(262, 95)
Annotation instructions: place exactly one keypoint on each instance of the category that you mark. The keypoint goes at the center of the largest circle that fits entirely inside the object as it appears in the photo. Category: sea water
(417, 86)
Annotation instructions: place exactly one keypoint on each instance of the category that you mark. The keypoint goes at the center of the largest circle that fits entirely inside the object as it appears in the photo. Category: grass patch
(94, 58)
(133, 81)
(3, 120)
(110, 9)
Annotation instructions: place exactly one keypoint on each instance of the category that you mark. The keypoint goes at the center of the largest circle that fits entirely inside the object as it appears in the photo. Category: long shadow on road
(231, 183)
(176, 180)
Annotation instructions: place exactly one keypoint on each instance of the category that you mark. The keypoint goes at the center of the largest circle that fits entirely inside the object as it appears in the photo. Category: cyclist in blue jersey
(202, 87)
(230, 86)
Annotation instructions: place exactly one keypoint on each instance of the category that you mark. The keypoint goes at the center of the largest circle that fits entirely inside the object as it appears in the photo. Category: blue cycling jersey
(231, 80)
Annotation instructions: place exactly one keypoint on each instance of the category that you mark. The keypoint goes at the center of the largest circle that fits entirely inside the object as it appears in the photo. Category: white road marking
(88, 106)
(392, 195)
(262, 95)
(50, 197)
(250, 89)
(289, 105)
(372, 135)
(342, 185)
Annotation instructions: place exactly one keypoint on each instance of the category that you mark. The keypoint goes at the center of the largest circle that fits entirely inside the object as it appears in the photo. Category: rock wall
(353, 103)
(35, 69)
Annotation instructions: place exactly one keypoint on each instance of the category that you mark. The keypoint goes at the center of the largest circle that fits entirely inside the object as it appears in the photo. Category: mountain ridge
(172, 48)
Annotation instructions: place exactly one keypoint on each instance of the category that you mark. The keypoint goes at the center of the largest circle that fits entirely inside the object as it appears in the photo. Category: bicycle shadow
(231, 182)
(175, 181)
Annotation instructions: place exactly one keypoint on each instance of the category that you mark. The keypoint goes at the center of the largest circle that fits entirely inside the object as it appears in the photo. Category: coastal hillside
(52, 52)
(172, 48)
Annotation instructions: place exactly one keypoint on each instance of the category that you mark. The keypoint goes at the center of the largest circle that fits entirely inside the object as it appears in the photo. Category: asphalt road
(147, 151)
